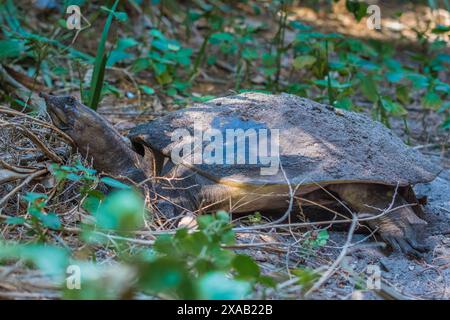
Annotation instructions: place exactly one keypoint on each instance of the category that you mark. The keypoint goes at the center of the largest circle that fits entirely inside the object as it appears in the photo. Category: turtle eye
(70, 101)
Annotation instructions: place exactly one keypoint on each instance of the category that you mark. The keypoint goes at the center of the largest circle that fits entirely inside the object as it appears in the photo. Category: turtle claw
(402, 237)
(398, 231)
(167, 209)
(406, 246)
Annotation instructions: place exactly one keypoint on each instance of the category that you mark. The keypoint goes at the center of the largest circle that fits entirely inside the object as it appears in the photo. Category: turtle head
(94, 137)
(85, 126)
(77, 120)
(64, 110)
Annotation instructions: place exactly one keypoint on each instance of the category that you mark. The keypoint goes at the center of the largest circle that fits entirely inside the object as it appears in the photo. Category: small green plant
(167, 59)
(186, 264)
(317, 239)
(358, 8)
(306, 277)
(39, 217)
(189, 265)
(101, 59)
(215, 15)
(88, 181)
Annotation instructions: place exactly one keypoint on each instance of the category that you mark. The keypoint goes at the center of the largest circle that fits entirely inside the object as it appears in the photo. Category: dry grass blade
(15, 113)
(27, 180)
(9, 176)
(332, 269)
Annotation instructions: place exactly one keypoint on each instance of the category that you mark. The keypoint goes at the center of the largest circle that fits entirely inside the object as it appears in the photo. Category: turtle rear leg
(398, 227)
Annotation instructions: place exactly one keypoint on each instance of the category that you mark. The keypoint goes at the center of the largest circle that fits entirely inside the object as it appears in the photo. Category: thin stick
(23, 183)
(332, 269)
(12, 112)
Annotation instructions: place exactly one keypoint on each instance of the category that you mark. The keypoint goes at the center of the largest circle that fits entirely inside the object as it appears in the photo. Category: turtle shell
(317, 143)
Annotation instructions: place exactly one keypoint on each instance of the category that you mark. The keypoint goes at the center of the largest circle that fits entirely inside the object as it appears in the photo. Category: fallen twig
(332, 269)
(23, 183)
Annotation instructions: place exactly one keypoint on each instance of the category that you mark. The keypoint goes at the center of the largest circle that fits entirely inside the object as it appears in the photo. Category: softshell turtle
(357, 160)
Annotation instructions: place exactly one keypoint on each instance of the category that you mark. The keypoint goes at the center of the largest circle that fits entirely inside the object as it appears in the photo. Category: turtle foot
(167, 209)
(400, 231)
(407, 246)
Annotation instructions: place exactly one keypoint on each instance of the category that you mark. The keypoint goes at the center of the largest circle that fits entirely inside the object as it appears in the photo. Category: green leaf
(392, 107)
(97, 82)
(395, 76)
(160, 69)
(269, 71)
(171, 91)
(93, 200)
(322, 238)
(365, 64)
(119, 53)
(51, 221)
(402, 93)
(419, 81)
(100, 62)
(337, 65)
(303, 61)
(246, 267)
(218, 286)
(160, 44)
(221, 36)
(203, 98)
(173, 46)
(369, 88)
(119, 15)
(15, 220)
(114, 183)
(445, 106)
(440, 29)
(446, 124)
(324, 83)
(121, 210)
(359, 9)
(147, 89)
(11, 49)
(306, 277)
(443, 57)
(73, 177)
(431, 100)
(268, 60)
(49, 259)
(33, 197)
(442, 87)
(344, 103)
(249, 54)
(167, 275)
(157, 34)
(141, 64)
(299, 26)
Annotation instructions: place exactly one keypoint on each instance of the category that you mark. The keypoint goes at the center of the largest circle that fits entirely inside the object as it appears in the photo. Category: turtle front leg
(398, 228)
(399, 231)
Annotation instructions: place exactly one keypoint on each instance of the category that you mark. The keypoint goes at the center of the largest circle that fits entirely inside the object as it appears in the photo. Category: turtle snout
(47, 96)
(56, 108)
